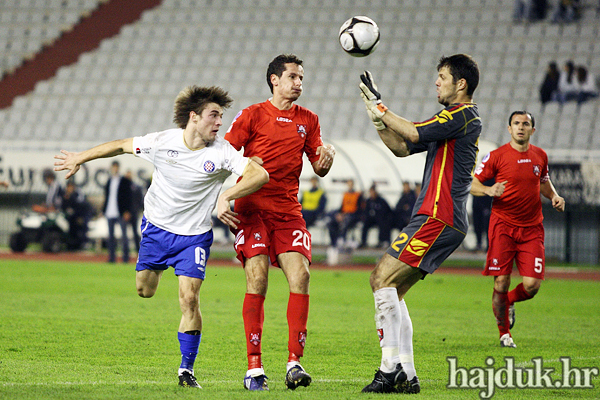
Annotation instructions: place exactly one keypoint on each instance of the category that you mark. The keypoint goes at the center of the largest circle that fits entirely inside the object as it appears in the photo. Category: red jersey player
(271, 226)
(516, 232)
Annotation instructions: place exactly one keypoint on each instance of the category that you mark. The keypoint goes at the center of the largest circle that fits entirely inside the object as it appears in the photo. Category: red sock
(254, 316)
(500, 307)
(297, 315)
(518, 294)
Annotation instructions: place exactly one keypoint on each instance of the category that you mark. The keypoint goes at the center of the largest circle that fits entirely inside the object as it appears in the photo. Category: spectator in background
(54, 196)
(566, 11)
(78, 212)
(567, 83)
(137, 206)
(117, 210)
(377, 213)
(529, 10)
(481, 211)
(347, 216)
(586, 85)
(313, 202)
(404, 207)
(549, 88)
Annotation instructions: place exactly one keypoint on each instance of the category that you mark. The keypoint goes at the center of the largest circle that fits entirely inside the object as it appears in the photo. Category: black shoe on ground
(410, 387)
(186, 379)
(386, 382)
(297, 376)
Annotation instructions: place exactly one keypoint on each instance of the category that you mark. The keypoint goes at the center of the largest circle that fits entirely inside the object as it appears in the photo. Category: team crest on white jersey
(209, 166)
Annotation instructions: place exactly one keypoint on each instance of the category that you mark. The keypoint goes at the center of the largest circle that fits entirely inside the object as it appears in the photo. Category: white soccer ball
(359, 36)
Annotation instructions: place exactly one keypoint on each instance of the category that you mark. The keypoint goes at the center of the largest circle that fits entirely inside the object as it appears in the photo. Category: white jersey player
(190, 165)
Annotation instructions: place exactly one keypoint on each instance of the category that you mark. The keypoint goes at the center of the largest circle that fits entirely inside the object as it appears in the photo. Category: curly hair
(195, 98)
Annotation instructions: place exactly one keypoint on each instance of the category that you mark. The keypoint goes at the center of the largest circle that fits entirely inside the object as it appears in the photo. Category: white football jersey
(185, 183)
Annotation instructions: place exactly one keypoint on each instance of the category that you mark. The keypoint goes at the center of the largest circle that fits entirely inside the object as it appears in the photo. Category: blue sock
(188, 344)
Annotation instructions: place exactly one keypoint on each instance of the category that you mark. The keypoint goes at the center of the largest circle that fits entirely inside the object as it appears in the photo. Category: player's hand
(377, 122)
(497, 189)
(371, 95)
(257, 160)
(66, 161)
(326, 154)
(558, 203)
(225, 214)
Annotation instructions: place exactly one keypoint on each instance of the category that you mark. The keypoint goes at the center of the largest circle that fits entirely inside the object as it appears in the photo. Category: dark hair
(195, 98)
(462, 66)
(48, 173)
(522, 112)
(570, 70)
(582, 74)
(277, 66)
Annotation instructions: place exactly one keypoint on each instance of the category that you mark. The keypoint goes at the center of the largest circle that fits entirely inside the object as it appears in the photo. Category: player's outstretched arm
(253, 178)
(323, 164)
(72, 161)
(547, 189)
(383, 118)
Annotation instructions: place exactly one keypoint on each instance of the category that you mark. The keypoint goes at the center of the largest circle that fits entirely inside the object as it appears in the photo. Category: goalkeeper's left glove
(371, 96)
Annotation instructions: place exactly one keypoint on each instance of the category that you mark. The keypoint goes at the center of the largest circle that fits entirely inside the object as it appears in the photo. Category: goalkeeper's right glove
(371, 96)
(377, 122)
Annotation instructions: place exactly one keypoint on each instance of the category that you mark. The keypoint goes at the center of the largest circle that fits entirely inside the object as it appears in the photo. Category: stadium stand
(128, 82)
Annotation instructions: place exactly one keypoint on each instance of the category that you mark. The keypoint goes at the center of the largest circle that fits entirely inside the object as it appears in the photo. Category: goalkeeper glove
(372, 97)
(377, 122)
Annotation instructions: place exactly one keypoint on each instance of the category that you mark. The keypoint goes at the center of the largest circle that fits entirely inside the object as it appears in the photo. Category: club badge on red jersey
(301, 130)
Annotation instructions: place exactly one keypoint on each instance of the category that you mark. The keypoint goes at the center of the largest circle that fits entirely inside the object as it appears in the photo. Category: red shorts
(271, 234)
(521, 244)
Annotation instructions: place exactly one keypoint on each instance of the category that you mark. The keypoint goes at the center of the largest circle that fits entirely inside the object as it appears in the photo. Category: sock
(406, 344)
(518, 294)
(387, 322)
(188, 345)
(500, 308)
(297, 316)
(254, 315)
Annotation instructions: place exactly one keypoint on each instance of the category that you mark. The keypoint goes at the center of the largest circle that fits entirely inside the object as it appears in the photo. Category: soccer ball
(359, 36)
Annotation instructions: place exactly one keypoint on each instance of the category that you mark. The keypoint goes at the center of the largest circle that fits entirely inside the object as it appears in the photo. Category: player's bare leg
(295, 267)
(257, 280)
(146, 282)
(190, 328)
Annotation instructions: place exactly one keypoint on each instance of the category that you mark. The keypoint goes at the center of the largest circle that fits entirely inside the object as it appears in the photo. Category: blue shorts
(160, 250)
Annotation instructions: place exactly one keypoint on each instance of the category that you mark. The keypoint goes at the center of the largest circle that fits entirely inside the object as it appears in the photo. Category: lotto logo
(417, 247)
(380, 334)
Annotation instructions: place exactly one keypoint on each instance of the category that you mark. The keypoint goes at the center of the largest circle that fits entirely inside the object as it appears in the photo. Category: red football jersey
(279, 138)
(520, 204)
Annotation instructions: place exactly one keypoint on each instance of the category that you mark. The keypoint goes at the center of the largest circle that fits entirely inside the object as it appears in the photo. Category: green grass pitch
(79, 331)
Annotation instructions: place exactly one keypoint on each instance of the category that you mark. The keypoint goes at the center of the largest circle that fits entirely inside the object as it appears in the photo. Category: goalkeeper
(439, 221)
